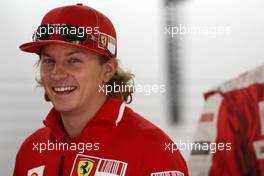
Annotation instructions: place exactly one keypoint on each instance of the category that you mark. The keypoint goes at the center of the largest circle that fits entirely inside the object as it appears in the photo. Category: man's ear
(110, 68)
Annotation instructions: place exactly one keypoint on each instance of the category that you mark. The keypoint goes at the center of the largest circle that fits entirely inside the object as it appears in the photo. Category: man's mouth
(64, 89)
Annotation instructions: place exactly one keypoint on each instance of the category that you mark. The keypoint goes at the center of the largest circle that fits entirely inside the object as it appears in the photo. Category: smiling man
(89, 131)
(71, 77)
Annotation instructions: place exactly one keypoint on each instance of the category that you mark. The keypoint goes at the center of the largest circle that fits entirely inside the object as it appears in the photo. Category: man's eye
(48, 61)
(74, 60)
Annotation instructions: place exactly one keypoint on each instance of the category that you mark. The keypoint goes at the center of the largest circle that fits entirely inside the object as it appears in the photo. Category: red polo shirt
(116, 142)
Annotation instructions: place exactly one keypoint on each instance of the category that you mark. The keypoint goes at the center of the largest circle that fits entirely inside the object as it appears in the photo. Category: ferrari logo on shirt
(85, 167)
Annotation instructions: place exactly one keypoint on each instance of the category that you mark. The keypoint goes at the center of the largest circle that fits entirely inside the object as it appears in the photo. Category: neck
(75, 121)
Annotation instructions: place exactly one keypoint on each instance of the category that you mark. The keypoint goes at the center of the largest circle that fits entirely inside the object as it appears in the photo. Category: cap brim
(35, 47)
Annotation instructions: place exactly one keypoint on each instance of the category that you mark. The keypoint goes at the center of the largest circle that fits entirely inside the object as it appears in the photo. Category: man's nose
(58, 72)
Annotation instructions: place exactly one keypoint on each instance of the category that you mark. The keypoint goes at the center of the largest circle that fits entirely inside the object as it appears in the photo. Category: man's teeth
(63, 89)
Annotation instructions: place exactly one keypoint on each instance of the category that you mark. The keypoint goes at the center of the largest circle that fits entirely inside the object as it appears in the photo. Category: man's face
(70, 76)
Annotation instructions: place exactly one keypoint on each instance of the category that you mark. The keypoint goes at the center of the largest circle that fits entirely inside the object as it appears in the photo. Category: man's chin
(64, 108)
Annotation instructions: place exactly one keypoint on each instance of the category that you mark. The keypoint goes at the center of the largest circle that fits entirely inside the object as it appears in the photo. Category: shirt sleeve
(225, 132)
(228, 160)
(200, 160)
(236, 115)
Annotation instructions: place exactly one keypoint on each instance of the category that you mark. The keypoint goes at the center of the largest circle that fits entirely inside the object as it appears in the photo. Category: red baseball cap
(75, 25)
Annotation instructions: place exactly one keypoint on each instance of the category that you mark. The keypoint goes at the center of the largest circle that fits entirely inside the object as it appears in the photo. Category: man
(232, 120)
(89, 131)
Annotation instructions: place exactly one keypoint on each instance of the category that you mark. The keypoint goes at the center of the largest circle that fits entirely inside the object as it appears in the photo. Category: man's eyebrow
(68, 54)
(73, 52)
(45, 54)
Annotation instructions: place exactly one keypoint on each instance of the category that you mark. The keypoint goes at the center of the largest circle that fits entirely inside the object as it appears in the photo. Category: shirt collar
(111, 111)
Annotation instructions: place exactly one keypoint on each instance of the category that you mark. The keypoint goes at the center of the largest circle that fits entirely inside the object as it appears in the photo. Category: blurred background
(228, 42)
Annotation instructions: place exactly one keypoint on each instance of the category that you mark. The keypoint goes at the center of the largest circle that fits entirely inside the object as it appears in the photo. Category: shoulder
(244, 80)
(25, 153)
(246, 87)
(38, 136)
(145, 134)
(152, 141)
(140, 125)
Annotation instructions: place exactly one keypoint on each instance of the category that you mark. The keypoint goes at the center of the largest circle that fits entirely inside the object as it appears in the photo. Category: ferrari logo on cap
(85, 167)
(107, 42)
(103, 40)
